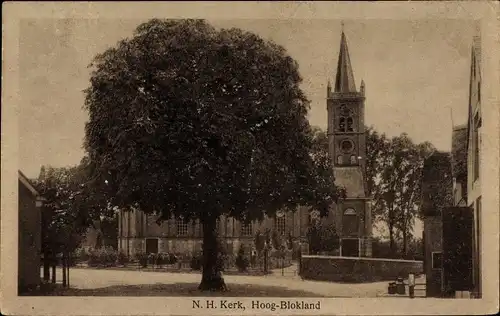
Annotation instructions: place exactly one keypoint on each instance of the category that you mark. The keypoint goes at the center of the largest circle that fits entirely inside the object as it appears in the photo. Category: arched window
(280, 223)
(353, 160)
(339, 160)
(350, 124)
(350, 211)
(346, 121)
(342, 124)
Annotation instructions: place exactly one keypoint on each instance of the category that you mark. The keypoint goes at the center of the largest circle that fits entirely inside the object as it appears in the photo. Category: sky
(416, 74)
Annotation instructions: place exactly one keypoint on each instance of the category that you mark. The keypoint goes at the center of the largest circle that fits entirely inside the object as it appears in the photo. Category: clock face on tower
(346, 146)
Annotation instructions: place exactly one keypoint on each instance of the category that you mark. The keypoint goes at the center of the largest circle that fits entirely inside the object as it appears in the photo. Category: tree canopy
(192, 121)
(394, 178)
(72, 205)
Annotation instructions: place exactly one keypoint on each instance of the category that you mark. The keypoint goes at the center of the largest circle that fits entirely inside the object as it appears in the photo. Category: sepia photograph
(247, 165)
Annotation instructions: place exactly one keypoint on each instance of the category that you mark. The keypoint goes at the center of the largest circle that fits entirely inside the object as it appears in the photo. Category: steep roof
(344, 81)
(476, 44)
(27, 183)
(475, 67)
(459, 153)
(351, 178)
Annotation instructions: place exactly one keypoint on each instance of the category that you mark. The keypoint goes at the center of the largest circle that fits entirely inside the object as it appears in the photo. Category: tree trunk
(67, 272)
(405, 238)
(46, 266)
(405, 250)
(391, 236)
(54, 271)
(63, 263)
(211, 279)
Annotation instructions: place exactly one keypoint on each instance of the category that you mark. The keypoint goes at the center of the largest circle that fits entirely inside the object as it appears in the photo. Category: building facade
(474, 159)
(30, 235)
(437, 193)
(459, 164)
(465, 197)
(139, 233)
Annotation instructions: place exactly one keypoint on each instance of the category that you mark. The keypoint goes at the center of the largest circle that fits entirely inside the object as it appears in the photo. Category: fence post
(265, 260)
(283, 265)
(299, 261)
(411, 285)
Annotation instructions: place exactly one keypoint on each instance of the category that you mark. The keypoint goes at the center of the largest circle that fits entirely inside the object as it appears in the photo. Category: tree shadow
(184, 289)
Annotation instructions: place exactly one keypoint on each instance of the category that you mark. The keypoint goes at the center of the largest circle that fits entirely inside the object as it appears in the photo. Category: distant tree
(322, 238)
(329, 238)
(64, 221)
(73, 204)
(394, 174)
(377, 145)
(195, 122)
(415, 249)
(409, 193)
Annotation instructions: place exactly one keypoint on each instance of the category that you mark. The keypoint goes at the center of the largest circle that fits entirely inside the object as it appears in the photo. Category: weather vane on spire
(342, 26)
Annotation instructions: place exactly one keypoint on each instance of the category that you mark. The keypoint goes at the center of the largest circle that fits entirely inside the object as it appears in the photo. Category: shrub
(122, 258)
(241, 261)
(102, 257)
(226, 261)
(142, 258)
(81, 255)
(196, 262)
(172, 259)
(259, 241)
(152, 259)
(160, 259)
(277, 240)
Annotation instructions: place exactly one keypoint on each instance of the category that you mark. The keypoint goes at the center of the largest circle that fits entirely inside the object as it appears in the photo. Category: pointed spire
(344, 81)
(362, 87)
(329, 89)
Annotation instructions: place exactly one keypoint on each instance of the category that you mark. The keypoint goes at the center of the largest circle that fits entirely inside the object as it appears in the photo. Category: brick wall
(433, 231)
(341, 269)
(29, 240)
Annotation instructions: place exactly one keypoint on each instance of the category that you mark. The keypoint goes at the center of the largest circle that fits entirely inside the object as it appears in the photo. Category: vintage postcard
(253, 158)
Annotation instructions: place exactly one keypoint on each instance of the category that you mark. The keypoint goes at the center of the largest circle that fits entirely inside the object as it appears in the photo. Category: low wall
(347, 269)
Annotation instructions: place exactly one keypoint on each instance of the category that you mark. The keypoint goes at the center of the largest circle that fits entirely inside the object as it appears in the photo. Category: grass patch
(184, 289)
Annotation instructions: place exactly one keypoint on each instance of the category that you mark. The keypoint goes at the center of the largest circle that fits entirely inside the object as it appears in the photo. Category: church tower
(347, 148)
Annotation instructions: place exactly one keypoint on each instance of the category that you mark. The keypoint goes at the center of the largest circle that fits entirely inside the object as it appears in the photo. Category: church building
(139, 233)
(347, 147)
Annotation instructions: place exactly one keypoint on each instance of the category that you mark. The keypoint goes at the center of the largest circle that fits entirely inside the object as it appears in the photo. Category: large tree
(191, 121)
